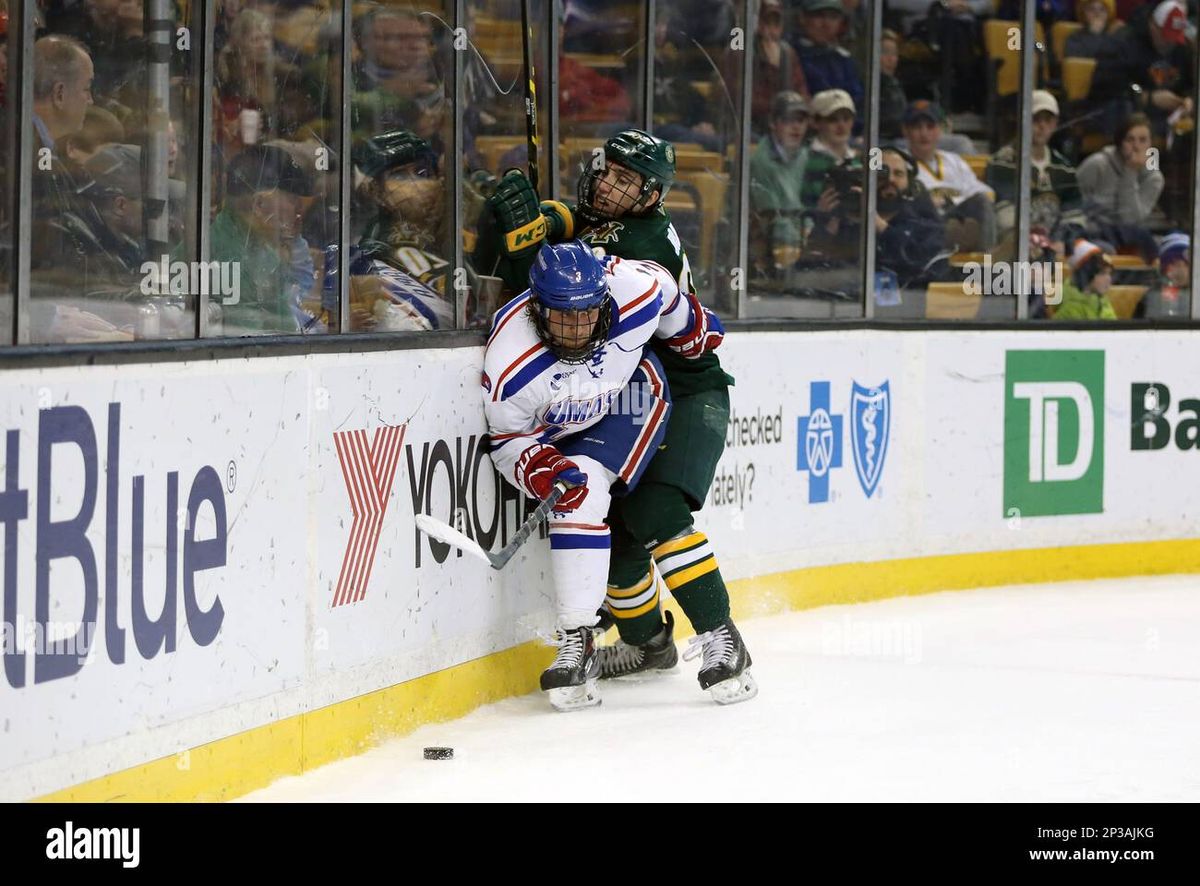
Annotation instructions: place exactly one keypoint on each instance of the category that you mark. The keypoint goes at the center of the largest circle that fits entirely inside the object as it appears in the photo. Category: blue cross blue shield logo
(870, 421)
(820, 436)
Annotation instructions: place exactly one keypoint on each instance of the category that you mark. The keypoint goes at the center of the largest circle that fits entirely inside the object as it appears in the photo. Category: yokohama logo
(368, 470)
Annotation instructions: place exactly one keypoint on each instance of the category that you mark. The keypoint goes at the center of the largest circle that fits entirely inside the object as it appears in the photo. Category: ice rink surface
(1085, 691)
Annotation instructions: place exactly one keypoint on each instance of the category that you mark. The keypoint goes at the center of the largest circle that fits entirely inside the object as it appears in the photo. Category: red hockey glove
(705, 334)
(541, 466)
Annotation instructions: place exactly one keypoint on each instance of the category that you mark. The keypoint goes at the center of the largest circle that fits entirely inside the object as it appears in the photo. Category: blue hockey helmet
(568, 280)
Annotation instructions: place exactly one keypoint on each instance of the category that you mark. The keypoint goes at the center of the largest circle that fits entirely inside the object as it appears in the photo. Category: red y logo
(368, 471)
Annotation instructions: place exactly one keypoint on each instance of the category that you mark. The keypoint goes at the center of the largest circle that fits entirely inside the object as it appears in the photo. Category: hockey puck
(439, 753)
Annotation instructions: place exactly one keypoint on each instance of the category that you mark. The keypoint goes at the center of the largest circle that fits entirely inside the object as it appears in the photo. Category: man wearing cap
(116, 192)
(833, 117)
(1151, 51)
(1054, 188)
(777, 169)
(826, 64)
(1171, 295)
(1085, 294)
(259, 227)
(965, 203)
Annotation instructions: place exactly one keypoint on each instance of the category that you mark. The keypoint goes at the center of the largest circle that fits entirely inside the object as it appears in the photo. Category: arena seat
(948, 301)
(1077, 76)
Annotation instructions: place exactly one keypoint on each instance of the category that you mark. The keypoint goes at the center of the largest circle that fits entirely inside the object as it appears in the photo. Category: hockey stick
(531, 135)
(443, 532)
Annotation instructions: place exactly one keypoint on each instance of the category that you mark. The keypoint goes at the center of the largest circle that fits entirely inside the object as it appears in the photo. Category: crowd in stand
(117, 150)
(1110, 177)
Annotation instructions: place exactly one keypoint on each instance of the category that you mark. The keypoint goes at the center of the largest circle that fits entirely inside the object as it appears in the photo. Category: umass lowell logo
(821, 439)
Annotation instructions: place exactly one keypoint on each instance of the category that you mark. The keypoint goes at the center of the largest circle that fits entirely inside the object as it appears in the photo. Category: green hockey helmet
(390, 150)
(637, 150)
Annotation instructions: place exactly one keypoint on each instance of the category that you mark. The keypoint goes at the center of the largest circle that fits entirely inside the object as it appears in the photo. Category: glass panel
(113, 134)
(495, 140)
(401, 211)
(807, 176)
(940, 221)
(275, 197)
(698, 76)
(1127, 135)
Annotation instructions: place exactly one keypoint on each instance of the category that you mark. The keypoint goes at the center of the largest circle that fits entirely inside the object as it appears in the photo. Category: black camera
(847, 181)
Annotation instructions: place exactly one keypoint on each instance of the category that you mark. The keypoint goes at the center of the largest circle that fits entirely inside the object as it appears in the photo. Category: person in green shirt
(777, 182)
(620, 212)
(258, 231)
(1084, 297)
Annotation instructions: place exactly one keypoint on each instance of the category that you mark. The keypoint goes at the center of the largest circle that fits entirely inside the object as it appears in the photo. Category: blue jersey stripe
(506, 309)
(563, 542)
(532, 370)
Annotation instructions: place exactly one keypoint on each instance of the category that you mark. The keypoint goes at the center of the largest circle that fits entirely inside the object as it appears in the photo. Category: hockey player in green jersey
(620, 212)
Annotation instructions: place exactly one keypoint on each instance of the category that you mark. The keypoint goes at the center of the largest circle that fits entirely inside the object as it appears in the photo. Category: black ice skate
(656, 654)
(724, 672)
(571, 678)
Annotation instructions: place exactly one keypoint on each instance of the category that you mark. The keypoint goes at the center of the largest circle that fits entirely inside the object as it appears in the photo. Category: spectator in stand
(1085, 295)
(587, 96)
(1171, 294)
(826, 64)
(397, 82)
(964, 202)
(777, 67)
(62, 89)
(259, 229)
(250, 77)
(892, 100)
(1151, 51)
(777, 169)
(1120, 189)
(116, 192)
(1096, 38)
(908, 231)
(1055, 197)
(833, 116)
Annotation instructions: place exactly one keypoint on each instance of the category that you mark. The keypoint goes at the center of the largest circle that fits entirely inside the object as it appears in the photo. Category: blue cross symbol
(819, 448)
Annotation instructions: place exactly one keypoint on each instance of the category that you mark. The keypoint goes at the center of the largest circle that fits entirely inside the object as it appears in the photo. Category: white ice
(1086, 691)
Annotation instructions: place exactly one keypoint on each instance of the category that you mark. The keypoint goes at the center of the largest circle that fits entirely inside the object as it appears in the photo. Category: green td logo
(1053, 433)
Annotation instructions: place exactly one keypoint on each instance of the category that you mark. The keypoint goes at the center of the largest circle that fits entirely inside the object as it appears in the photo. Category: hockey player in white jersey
(573, 396)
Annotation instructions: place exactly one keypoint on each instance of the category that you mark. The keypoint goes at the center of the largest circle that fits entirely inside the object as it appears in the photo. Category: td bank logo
(1053, 433)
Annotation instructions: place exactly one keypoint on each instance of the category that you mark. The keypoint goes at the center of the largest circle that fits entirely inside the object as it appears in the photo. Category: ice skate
(570, 681)
(656, 654)
(725, 668)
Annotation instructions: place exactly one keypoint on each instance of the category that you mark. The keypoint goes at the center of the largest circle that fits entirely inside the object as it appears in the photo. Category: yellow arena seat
(1125, 299)
(1077, 77)
(948, 301)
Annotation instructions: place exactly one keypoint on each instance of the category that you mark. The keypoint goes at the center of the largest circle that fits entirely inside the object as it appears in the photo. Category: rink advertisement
(195, 550)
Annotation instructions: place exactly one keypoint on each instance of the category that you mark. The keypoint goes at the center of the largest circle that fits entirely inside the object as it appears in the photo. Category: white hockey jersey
(530, 397)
